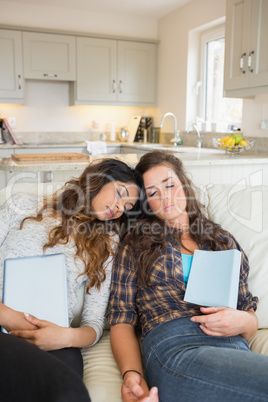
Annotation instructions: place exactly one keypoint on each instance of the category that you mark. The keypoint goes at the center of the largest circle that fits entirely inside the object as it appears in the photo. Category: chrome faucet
(199, 138)
(176, 140)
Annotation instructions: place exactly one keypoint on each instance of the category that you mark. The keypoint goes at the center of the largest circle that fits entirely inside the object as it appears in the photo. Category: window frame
(206, 36)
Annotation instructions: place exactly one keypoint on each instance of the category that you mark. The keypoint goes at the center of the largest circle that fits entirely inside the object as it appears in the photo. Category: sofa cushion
(258, 343)
(39, 189)
(101, 375)
(242, 210)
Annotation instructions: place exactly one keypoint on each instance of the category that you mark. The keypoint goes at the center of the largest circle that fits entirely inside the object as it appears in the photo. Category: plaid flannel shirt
(162, 301)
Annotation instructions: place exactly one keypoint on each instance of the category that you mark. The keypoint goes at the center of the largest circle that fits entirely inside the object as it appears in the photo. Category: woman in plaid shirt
(190, 353)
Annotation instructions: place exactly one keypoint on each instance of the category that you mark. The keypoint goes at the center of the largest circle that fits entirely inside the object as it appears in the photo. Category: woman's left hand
(46, 336)
(226, 321)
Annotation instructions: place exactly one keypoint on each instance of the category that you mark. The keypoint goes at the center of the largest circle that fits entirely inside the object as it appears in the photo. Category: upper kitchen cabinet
(96, 70)
(115, 72)
(11, 74)
(49, 56)
(246, 50)
(136, 72)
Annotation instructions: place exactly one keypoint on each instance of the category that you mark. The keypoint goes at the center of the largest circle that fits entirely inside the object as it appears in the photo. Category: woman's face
(114, 199)
(165, 195)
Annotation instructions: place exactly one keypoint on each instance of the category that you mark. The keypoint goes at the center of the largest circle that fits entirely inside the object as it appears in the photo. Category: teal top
(186, 266)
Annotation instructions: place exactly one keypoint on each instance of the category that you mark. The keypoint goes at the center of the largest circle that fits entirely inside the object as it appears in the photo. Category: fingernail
(27, 315)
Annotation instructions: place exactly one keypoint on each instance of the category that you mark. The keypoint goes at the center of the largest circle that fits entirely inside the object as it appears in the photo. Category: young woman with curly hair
(190, 352)
(84, 220)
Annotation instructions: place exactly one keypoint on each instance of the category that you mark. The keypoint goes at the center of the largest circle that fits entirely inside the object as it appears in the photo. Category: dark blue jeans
(189, 366)
(30, 374)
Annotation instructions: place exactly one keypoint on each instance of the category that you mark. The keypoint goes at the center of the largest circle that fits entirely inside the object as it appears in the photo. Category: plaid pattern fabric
(163, 300)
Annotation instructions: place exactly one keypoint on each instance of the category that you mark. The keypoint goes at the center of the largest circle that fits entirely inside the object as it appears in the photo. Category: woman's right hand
(134, 388)
(11, 319)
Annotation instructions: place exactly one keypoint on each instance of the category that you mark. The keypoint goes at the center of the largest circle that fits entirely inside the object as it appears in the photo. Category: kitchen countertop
(125, 145)
(56, 145)
(7, 164)
(193, 157)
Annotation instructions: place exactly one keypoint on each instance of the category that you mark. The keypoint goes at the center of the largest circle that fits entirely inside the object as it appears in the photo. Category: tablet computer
(37, 285)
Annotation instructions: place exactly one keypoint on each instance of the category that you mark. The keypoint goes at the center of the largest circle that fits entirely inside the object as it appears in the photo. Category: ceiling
(144, 8)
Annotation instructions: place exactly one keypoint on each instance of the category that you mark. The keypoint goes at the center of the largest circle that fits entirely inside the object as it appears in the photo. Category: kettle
(123, 135)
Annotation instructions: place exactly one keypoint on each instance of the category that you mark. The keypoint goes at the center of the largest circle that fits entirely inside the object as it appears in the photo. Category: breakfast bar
(204, 165)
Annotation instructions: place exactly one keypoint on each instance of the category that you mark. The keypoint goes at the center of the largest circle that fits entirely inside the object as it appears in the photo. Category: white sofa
(242, 211)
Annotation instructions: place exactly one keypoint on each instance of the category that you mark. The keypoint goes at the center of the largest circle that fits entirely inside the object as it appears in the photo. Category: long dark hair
(72, 205)
(148, 239)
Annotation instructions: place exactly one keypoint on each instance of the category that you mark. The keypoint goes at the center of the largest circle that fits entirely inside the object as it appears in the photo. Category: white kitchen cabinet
(4, 153)
(96, 70)
(246, 50)
(136, 72)
(11, 74)
(10, 177)
(115, 72)
(131, 150)
(49, 56)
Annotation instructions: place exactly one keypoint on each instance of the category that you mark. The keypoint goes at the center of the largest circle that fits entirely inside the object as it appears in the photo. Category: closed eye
(118, 193)
(169, 183)
(152, 194)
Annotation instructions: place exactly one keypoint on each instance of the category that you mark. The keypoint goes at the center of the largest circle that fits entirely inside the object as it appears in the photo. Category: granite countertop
(192, 157)
(53, 145)
(7, 164)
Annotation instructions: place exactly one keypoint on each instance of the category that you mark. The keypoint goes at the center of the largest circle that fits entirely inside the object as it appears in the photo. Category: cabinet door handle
(120, 86)
(114, 86)
(242, 63)
(250, 61)
(19, 81)
(51, 75)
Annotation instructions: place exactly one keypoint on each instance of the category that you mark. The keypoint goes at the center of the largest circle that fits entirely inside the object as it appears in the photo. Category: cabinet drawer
(6, 153)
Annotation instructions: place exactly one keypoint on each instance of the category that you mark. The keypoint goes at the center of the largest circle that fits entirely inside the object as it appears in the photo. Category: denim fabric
(189, 366)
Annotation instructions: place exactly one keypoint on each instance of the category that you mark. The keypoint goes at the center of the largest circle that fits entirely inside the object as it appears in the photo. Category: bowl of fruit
(234, 143)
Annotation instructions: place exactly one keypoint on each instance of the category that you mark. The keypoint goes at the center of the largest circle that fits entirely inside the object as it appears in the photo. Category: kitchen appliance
(123, 135)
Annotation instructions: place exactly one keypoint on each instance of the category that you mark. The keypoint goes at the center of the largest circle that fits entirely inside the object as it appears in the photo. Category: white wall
(174, 32)
(30, 15)
(47, 109)
(254, 111)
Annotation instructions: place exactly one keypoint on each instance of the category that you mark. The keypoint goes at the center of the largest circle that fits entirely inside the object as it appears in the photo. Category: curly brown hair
(72, 206)
(149, 237)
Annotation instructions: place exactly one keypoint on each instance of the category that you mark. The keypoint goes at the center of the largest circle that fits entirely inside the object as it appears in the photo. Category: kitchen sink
(184, 149)
(197, 150)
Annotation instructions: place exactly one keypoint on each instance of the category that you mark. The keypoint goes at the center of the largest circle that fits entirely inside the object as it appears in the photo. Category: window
(214, 108)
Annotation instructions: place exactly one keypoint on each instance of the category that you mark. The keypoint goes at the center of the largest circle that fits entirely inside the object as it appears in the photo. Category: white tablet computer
(37, 285)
